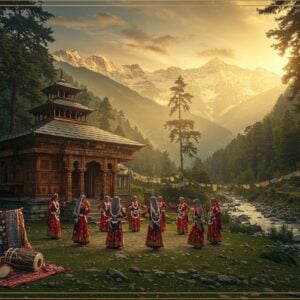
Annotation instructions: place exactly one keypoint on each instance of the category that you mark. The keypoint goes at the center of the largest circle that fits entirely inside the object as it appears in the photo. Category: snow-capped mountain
(218, 88)
(99, 64)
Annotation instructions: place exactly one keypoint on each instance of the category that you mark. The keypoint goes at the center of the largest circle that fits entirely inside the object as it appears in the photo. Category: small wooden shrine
(61, 154)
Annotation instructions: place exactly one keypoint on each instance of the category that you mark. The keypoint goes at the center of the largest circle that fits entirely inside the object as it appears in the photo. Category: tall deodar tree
(287, 36)
(25, 63)
(182, 130)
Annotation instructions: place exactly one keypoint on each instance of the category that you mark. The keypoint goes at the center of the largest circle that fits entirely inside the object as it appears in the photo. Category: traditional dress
(214, 223)
(134, 219)
(104, 214)
(54, 229)
(154, 234)
(196, 236)
(114, 237)
(182, 217)
(162, 206)
(81, 234)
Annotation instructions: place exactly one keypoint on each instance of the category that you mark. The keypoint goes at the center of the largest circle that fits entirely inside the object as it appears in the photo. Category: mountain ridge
(218, 87)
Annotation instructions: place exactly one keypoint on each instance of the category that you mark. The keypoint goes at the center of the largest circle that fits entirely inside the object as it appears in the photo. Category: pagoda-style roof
(71, 130)
(61, 84)
(73, 104)
(62, 103)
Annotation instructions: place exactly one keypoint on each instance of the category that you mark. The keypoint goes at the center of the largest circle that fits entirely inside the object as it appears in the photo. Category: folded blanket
(12, 230)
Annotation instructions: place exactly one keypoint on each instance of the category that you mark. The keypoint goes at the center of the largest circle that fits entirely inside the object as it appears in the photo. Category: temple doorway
(93, 180)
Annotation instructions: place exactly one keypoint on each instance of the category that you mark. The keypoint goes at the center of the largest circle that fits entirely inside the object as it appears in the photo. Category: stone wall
(35, 209)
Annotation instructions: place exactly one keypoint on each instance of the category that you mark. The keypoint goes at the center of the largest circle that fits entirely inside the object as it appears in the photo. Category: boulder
(116, 275)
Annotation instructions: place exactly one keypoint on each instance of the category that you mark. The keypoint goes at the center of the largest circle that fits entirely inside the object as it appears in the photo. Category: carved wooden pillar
(114, 179)
(104, 181)
(81, 180)
(68, 185)
(113, 183)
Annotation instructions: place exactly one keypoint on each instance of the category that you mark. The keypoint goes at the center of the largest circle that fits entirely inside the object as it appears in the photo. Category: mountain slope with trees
(266, 149)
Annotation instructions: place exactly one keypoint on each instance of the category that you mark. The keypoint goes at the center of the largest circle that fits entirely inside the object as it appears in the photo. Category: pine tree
(287, 35)
(26, 61)
(119, 131)
(105, 114)
(182, 130)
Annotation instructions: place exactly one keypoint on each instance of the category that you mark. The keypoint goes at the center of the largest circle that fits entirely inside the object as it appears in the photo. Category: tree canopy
(287, 36)
(25, 62)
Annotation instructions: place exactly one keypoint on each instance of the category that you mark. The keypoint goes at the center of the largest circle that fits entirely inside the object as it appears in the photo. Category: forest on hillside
(265, 150)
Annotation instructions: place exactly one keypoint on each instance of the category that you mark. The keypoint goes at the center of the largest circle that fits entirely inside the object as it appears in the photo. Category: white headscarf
(77, 205)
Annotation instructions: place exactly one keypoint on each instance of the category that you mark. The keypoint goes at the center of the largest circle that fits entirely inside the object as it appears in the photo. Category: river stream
(238, 207)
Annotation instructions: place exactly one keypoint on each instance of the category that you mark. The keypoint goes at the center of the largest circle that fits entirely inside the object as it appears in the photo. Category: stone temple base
(35, 209)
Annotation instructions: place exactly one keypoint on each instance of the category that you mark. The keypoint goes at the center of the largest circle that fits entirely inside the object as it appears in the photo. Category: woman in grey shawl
(154, 235)
(196, 236)
(114, 237)
(81, 234)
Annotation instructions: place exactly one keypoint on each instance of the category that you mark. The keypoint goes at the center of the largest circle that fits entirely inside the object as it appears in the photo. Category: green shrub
(243, 228)
(279, 257)
(283, 234)
(190, 192)
(225, 218)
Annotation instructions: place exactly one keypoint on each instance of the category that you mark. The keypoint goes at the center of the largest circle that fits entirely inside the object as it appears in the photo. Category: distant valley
(146, 114)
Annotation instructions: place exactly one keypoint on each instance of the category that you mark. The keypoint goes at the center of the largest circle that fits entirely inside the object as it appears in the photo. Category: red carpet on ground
(19, 277)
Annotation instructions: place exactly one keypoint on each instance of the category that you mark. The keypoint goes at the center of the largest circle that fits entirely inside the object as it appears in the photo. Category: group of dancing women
(112, 213)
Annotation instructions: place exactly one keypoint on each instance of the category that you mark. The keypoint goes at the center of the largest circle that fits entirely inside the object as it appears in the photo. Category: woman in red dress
(196, 236)
(154, 234)
(54, 229)
(182, 217)
(162, 206)
(114, 237)
(214, 222)
(134, 214)
(81, 234)
(104, 213)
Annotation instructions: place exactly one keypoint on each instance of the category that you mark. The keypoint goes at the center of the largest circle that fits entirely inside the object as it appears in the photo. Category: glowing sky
(159, 36)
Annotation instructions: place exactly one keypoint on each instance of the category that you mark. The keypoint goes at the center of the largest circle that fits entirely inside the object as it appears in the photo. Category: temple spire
(61, 77)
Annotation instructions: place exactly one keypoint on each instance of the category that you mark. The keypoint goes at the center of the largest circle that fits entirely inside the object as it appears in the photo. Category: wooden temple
(61, 154)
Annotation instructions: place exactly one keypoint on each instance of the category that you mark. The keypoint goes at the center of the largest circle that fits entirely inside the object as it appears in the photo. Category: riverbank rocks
(241, 219)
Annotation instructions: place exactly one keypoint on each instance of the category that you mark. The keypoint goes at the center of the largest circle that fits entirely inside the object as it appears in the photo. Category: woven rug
(19, 277)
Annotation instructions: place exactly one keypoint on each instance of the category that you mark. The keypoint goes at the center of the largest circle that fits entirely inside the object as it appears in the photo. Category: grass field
(177, 267)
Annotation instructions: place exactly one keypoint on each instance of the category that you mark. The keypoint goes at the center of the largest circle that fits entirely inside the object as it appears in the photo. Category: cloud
(75, 23)
(140, 40)
(217, 52)
(100, 18)
(105, 19)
